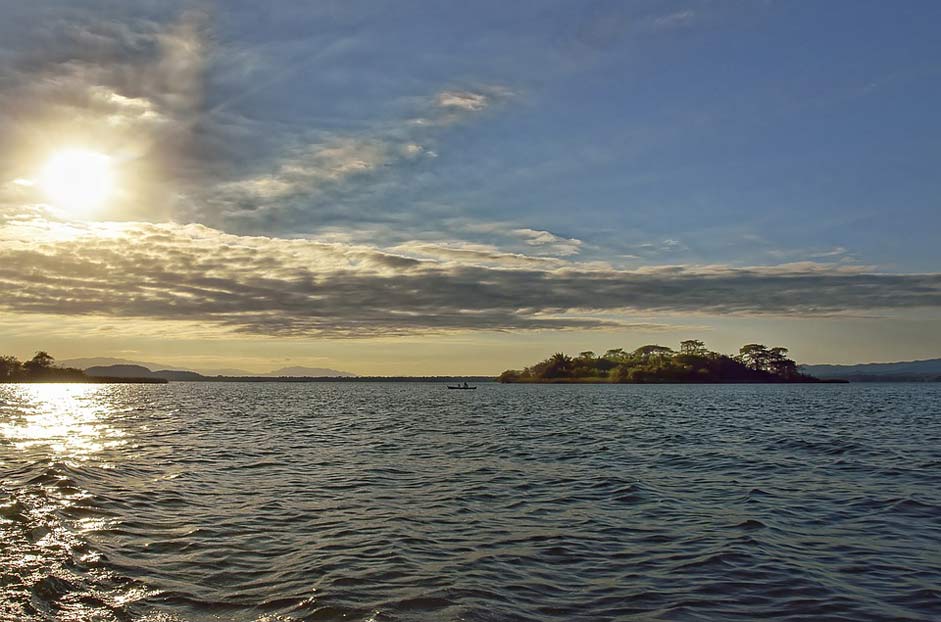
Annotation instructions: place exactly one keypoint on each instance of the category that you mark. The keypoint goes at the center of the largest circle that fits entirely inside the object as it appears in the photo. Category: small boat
(463, 387)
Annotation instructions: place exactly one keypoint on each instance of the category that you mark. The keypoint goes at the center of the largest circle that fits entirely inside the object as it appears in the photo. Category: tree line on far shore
(693, 363)
(41, 367)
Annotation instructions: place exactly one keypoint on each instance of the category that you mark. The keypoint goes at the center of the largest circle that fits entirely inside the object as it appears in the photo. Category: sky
(460, 188)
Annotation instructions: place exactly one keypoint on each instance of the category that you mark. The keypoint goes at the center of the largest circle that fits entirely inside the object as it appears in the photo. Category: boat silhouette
(463, 387)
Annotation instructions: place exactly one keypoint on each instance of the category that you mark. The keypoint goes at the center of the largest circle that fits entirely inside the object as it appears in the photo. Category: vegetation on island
(693, 363)
(42, 368)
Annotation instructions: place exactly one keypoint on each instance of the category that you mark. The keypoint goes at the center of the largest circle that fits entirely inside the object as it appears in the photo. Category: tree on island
(653, 352)
(772, 360)
(39, 364)
(693, 347)
(694, 363)
(10, 367)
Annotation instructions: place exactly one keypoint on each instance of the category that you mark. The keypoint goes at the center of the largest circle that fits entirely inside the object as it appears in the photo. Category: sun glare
(77, 179)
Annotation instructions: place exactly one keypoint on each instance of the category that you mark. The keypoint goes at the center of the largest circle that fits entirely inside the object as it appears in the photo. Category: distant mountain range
(106, 366)
(903, 371)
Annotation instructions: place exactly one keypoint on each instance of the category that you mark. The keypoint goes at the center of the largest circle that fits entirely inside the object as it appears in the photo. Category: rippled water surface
(273, 502)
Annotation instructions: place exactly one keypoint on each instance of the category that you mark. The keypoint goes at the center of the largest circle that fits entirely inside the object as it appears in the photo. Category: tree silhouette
(39, 363)
(10, 367)
(653, 352)
(754, 356)
(559, 366)
(778, 363)
(615, 354)
(693, 347)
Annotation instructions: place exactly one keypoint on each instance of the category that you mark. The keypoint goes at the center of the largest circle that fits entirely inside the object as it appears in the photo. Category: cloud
(522, 239)
(667, 246)
(269, 286)
(448, 107)
(466, 253)
(549, 242)
(463, 100)
(305, 170)
(836, 252)
(674, 20)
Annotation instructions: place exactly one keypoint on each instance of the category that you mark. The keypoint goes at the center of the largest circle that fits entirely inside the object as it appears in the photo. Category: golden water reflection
(73, 420)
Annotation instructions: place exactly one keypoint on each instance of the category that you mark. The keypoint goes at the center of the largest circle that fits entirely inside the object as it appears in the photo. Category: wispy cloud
(471, 254)
(313, 181)
(549, 242)
(674, 20)
(463, 100)
(305, 169)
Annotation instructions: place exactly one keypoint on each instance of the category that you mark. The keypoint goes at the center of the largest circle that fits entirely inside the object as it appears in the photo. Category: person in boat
(465, 385)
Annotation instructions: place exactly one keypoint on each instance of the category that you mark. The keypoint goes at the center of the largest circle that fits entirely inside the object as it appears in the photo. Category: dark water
(378, 502)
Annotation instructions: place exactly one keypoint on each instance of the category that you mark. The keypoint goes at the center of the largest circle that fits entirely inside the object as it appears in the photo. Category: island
(42, 368)
(655, 364)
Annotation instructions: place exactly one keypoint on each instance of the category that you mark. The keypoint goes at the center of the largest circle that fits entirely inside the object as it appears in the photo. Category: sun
(77, 179)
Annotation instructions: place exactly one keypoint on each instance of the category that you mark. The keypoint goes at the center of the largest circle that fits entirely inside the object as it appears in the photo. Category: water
(380, 502)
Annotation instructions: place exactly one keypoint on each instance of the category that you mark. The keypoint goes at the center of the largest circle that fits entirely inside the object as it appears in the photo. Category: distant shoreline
(86, 380)
(42, 369)
(344, 379)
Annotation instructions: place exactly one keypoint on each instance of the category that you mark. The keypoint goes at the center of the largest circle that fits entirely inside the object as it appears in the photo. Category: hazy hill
(139, 371)
(124, 368)
(225, 371)
(313, 372)
(178, 374)
(120, 371)
(102, 361)
(927, 370)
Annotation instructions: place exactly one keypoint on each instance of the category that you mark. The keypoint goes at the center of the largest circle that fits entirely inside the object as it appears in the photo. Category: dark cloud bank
(270, 286)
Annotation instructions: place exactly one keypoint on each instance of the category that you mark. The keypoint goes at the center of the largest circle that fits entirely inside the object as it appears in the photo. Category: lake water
(380, 502)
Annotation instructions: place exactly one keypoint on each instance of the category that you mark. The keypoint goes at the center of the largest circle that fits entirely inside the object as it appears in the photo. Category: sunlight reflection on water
(72, 420)
(56, 431)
